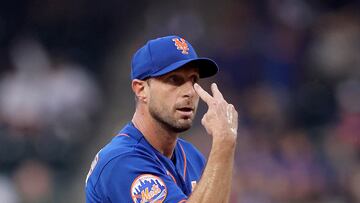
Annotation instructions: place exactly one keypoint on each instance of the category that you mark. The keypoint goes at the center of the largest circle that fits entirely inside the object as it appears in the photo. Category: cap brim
(207, 67)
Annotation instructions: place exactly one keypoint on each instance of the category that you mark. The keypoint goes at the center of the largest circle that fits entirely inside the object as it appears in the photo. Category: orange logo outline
(181, 45)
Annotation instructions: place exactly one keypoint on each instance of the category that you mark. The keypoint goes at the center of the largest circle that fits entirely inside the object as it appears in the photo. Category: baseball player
(146, 161)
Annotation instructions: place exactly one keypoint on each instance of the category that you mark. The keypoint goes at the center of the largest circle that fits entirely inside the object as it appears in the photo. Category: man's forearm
(215, 183)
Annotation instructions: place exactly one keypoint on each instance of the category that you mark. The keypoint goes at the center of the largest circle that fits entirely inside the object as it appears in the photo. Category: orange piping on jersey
(184, 155)
(171, 176)
(184, 200)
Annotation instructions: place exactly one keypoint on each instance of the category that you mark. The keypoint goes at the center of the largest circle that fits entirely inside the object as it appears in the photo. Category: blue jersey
(129, 169)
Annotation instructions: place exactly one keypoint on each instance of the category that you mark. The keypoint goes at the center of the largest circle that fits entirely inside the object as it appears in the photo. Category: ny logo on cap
(181, 45)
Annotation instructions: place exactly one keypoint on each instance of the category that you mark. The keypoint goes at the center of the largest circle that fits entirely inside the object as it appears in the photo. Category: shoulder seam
(96, 182)
(102, 169)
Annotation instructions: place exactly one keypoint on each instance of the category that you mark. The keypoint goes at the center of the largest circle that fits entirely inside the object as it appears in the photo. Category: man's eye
(195, 79)
(175, 80)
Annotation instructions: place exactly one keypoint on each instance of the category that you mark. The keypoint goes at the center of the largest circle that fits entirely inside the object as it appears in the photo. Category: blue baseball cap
(163, 55)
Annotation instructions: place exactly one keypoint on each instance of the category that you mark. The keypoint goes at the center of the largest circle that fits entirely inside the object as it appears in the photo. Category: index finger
(203, 94)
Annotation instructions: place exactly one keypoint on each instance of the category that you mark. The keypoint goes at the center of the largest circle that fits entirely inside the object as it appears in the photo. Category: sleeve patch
(148, 188)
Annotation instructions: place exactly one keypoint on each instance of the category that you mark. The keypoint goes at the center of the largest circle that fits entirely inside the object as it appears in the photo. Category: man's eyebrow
(170, 75)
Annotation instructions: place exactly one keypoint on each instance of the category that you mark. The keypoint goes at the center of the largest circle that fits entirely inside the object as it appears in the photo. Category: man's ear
(140, 89)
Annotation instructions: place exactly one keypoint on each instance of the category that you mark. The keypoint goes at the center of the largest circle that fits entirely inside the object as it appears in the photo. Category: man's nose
(189, 90)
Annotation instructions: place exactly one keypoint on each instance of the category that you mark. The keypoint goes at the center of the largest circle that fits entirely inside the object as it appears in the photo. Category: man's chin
(175, 125)
(182, 126)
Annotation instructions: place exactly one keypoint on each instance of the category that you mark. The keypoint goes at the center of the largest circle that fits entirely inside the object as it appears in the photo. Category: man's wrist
(225, 139)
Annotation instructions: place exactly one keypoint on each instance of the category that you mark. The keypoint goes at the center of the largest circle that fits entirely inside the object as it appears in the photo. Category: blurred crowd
(291, 68)
(299, 102)
(47, 108)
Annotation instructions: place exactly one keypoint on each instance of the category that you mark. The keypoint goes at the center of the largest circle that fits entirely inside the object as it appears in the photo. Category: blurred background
(291, 68)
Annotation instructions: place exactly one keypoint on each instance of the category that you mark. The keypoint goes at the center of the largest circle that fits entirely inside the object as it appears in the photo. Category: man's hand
(221, 119)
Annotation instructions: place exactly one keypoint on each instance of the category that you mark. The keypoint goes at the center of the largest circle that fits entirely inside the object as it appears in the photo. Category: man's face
(172, 98)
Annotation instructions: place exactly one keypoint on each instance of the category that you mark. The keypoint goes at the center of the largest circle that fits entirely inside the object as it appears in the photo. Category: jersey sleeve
(137, 178)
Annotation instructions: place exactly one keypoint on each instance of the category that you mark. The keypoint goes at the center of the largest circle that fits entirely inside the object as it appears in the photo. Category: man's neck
(159, 137)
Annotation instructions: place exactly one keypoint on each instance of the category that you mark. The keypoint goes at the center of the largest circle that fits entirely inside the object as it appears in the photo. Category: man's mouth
(185, 111)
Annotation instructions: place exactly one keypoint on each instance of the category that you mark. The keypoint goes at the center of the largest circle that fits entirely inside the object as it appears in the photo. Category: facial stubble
(163, 116)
